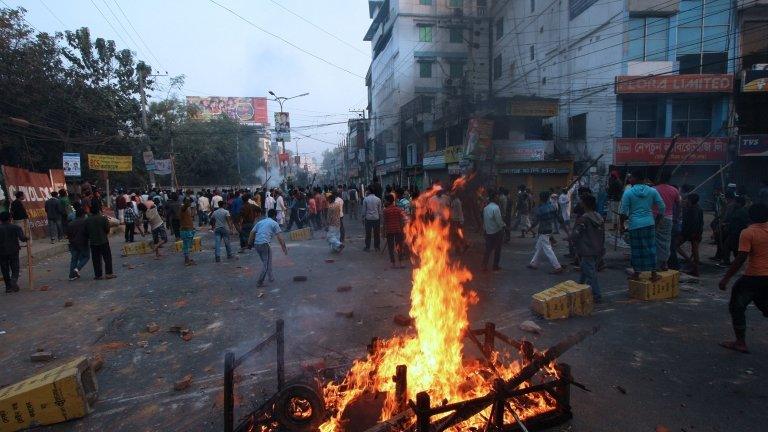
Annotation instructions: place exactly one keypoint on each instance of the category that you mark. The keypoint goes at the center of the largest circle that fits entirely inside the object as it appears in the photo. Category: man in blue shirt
(546, 218)
(637, 205)
(261, 235)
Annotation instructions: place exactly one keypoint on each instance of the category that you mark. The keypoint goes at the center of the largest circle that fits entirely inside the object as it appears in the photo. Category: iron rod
(280, 342)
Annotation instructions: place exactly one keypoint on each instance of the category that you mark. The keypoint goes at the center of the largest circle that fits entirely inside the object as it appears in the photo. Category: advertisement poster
(753, 145)
(479, 134)
(110, 162)
(163, 166)
(283, 126)
(149, 160)
(252, 110)
(71, 164)
(37, 188)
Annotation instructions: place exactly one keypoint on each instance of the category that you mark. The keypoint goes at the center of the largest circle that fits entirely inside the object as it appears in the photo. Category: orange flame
(434, 354)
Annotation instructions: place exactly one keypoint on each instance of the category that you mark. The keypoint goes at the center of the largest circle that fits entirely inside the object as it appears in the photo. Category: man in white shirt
(494, 225)
(340, 203)
(216, 200)
(203, 209)
(372, 219)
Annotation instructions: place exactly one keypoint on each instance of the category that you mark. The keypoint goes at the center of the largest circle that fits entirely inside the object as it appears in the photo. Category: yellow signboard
(532, 108)
(453, 154)
(110, 162)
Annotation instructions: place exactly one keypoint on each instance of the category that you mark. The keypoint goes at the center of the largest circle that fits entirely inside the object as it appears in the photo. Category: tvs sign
(674, 84)
(651, 151)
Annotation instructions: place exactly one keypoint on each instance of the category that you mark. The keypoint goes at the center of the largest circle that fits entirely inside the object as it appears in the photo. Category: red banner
(282, 157)
(37, 188)
(651, 151)
(675, 84)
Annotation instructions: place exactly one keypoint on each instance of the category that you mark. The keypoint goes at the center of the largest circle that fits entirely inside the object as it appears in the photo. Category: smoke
(273, 176)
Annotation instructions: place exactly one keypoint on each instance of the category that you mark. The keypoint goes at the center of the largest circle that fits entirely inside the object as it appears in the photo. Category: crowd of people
(662, 224)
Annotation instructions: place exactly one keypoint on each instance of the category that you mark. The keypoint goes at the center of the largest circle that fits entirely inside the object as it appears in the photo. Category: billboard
(244, 109)
(110, 162)
(163, 166)
(753, 145)
(689, 83)
(37, 188)
(283, 126)
(71, 164)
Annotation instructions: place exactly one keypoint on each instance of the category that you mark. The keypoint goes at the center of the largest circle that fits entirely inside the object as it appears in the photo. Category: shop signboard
(434, 160)
(532, 107)
(688, 83)
(753, 145)
(535, 170)
(452, 154)
(522, 151)
(651, 151)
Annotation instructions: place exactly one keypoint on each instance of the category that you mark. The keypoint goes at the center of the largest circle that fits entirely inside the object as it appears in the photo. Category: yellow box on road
(60, 394)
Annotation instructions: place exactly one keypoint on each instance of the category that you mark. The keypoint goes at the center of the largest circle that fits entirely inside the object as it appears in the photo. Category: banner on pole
(149, 160)
(71, 164)
(163, 166)
(283, 126)
(37, 188)
(110, 162)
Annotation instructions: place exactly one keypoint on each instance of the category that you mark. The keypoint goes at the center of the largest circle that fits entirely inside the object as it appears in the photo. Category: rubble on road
(152, 327)
(343, 288)
(299, 278)
(345, 314)
(69, 303)
(41, 356)
(530, 327)
(97, 362)
(183, 383)
(402, 320)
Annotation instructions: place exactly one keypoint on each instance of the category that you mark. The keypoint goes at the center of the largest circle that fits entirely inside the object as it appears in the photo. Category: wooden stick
(29, 253)
(666, 157)
(711, 177)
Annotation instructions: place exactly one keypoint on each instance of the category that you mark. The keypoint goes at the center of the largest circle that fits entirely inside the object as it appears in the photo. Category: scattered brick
(69, 303)
(143, 343)
(97, 362)
(345, 314)
(299, 278)
(183, 383)
(175, 329)
(314, 366)
(186, 335)
(41, 356)
(344, 288)
(330, 261)
(403, 320)
(152, 327)
(44, 287)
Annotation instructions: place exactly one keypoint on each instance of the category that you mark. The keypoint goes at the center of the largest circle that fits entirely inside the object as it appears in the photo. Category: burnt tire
(299, 408)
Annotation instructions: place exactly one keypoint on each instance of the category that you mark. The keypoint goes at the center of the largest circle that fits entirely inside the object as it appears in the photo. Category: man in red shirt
(753, 285)
(671, 197)
(394, 219)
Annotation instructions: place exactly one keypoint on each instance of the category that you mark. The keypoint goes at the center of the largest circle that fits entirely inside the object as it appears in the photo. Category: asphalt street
(651, 364)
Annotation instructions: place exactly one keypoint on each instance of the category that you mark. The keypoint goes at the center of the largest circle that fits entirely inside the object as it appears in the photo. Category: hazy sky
(223, 56)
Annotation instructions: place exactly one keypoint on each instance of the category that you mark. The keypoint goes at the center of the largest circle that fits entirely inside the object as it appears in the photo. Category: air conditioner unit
(760, 66)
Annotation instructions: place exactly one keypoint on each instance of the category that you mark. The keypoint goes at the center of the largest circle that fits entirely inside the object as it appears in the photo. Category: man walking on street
(187, 229)
(637, 205)
(54, 212)
(335, 223)
(372, 219)
(493, 224)
(753, 285)
(394, 219)
(10, 236)
(203, 209)
(78, 244)
(523, 210)
(19, 213)
(221, 220)
(588, 237)
(354, 208)
(546, 217)
(261, 236)
(156, 224)
(97, 228)
(245, 220)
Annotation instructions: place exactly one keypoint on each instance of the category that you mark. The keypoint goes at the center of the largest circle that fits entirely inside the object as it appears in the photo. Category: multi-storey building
(429, 64)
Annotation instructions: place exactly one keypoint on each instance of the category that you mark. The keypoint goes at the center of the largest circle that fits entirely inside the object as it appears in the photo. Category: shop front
(751, 169)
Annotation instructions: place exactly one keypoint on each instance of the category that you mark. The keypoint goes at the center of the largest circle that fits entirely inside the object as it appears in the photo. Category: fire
(434, 353)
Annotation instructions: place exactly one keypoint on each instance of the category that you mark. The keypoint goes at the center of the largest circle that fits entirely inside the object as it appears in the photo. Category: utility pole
(280, 100)
(237, 150)
(142, 84)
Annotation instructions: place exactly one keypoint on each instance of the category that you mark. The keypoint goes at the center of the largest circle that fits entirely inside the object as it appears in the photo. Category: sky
(221, 55)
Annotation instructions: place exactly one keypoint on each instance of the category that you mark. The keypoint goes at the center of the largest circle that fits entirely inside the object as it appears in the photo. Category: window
(532, 51)
(577, 127)
(455, 3)
(691, 117)
(457, 70)
(648, 39)
(640, 118)
(425, 33)
(533, 5)
(497, 67)
(425, 2)
(702, 36)
(457, 35)
(425, 69)
(499, 28)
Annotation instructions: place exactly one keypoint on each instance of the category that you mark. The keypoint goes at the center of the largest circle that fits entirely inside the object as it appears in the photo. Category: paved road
(664, 354)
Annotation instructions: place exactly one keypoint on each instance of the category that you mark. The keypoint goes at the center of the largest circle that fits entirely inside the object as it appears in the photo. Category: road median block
(563, 300)
(63, 393)
(667, 287)
(197, 245)
(137, 248)
(300, 234)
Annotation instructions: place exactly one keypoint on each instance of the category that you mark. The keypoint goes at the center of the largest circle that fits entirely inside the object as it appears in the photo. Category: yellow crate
(665, 288)
(137, 248)
(551, 304)
(563, 300)
(60, 394)
(300, 234)
(197, 245)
